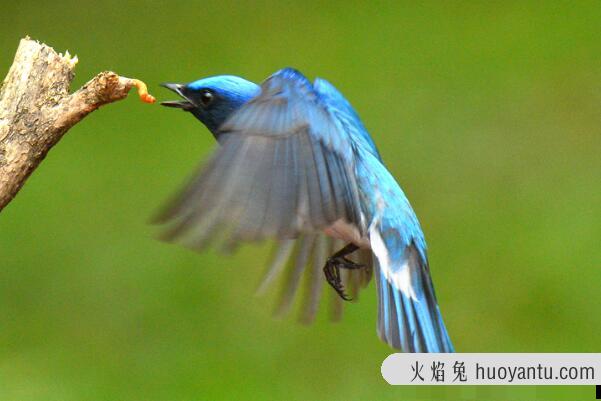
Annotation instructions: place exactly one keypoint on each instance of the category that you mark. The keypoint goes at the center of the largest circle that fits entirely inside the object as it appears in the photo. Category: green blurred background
(488, 113)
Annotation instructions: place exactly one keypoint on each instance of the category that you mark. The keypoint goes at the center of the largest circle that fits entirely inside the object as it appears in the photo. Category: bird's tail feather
(408, 315)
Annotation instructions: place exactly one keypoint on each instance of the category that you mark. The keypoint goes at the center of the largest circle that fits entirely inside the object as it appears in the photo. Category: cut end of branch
(71, 60)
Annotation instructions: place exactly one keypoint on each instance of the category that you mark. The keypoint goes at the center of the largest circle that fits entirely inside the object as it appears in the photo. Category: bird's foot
(332, 273)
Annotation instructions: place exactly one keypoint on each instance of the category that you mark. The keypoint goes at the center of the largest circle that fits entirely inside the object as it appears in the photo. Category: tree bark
(36, 109)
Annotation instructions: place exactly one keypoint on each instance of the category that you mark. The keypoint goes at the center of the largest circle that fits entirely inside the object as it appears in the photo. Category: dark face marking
(212, 100)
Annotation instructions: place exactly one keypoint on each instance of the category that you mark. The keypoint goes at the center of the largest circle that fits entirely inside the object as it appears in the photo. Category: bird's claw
(332, 273)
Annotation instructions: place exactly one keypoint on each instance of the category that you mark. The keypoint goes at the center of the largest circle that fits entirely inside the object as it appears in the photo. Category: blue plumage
(295, 161)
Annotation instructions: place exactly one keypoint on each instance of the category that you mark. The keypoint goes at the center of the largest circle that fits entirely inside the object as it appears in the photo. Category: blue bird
(295, 163)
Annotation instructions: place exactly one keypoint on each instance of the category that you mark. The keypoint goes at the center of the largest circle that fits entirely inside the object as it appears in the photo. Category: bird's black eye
(206, 97)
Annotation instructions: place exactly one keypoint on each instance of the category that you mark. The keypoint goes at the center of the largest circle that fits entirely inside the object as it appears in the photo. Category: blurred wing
(284, 168)
(348, 119)
(301, 261)
(295, 258)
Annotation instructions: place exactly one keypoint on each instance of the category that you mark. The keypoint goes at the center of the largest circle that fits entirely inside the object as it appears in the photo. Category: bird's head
(213, 99)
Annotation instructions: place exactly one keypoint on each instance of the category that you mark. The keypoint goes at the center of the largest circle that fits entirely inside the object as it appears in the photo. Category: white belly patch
(348, 233)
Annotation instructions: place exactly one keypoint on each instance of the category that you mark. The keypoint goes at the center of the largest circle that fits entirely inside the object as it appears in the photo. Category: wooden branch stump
(36, 109)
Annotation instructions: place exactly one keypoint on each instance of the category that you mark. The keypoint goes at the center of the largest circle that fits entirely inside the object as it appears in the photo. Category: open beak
(179, 104)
